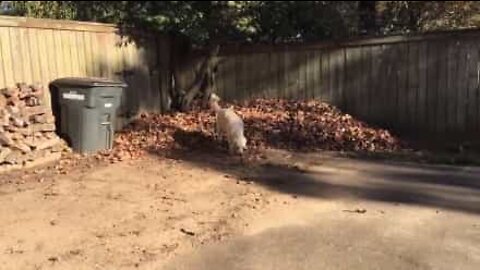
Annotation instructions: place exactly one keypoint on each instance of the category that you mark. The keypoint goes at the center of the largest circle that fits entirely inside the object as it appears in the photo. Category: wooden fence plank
(52, 53)
(330, 71)
(303, 74)
(449, 101)
(422, 108)
(310, 74)
(349, 80)
(258, 82)
(359, 77)
(295, 79)
(230, 84)
(341, 79)
(383, 86)
(477, 89)
(96, 54)
(320, 76)
(411, 104)
(58, 53)
(375, 85)
(442, 97)
(365, 87)
(360, 89)
(81, 50)
(325, 77)
(334, 75)
(433, 84)
(2, 70)
(110, 61)
(17, 56)
(254, 78)
(265, 81)
(282, 74)
(272, 75)
(67, 53)
(244, 91)
(293, 75)
(462, 88)
(24, 47)
(472, 86)
(402, 86)
(6, 62)
(289, 79)
(248, 76)
(391, 110)
(232, 78)
(100, 57)
(74, 55)
(45, 62)
(34, 55)
(298, 92)
(315, 69)
(89, 65)
(238, 78)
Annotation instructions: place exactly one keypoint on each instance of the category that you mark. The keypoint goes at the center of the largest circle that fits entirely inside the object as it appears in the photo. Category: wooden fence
(421, 86)
(424, 86)
(33, 50)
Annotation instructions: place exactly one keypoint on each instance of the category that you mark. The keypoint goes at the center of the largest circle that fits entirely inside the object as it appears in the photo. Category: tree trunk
(204, 81)
(180, 53)
(211, 87)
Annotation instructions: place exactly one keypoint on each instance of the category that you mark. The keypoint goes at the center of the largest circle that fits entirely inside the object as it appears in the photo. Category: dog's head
(241, 145)
(213, 98)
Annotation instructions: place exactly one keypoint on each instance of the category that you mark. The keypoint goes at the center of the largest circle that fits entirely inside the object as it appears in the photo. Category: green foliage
(262, 21)
(203, 21)
(304, 20)
(41, 9)
(420, 16)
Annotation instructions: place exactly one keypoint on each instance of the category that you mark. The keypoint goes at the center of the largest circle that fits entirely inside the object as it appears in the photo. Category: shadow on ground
(320, 176)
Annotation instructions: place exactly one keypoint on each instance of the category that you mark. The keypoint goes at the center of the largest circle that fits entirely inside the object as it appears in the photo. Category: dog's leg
(231, 149)
(216, 133)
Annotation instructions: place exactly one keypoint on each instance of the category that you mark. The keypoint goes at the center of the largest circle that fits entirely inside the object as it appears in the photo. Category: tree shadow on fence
(419, 88)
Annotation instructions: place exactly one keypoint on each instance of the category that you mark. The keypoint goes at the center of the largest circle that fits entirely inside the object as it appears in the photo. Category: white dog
(229, 124)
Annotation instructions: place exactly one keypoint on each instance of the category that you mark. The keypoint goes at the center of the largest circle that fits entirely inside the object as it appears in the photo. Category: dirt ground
(206, 211)
(124, 215)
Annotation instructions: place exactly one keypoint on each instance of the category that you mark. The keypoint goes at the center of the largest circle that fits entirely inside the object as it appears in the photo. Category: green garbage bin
(86, 110)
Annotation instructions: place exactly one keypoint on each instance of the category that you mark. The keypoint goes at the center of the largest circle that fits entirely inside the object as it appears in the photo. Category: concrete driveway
(353, 214)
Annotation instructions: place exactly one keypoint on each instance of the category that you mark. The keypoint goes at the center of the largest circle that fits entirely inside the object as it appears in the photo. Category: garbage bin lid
(88, 82)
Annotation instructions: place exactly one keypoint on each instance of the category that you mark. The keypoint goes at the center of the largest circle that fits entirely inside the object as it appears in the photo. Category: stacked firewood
(27, 128)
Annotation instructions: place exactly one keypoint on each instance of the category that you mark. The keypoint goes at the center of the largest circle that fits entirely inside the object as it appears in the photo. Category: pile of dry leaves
(310, 125)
